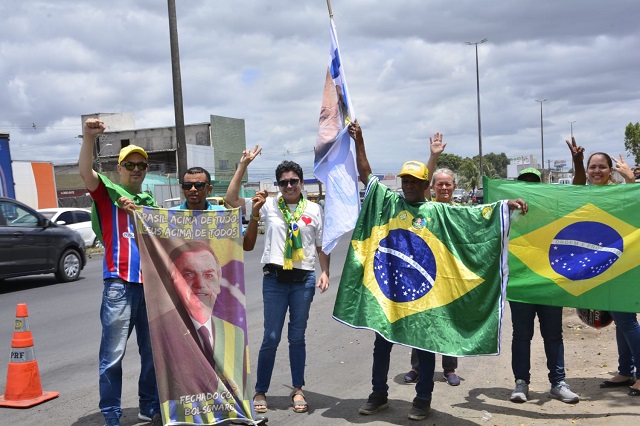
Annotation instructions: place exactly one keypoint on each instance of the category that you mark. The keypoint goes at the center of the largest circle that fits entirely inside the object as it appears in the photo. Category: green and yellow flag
(429, 276)
(579, 246)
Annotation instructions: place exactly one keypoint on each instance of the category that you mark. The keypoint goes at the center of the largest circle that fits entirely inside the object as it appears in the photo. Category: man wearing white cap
(123, 306)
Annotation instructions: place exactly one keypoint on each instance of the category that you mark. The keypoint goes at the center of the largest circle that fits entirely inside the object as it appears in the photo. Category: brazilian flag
(430, 275)
(579, 246)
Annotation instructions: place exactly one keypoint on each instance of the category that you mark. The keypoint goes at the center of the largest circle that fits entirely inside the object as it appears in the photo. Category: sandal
(299, 406)
(260, 403)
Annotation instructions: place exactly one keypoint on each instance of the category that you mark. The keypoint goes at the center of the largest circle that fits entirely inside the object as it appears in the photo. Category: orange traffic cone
(23, 389)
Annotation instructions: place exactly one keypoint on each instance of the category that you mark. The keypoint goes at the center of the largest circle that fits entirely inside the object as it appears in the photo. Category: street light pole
(571, 122)
(476, 43)
(541, 132)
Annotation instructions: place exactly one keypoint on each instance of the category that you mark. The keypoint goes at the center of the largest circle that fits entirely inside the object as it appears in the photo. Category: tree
(449, 161)
(494, 165)
(632, 141)
(468, 174)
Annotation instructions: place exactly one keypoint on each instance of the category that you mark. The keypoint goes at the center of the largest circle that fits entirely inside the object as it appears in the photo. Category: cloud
(410, 73)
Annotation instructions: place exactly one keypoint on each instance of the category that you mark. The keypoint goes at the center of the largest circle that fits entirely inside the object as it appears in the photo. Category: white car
(460, 195)
(76, 219)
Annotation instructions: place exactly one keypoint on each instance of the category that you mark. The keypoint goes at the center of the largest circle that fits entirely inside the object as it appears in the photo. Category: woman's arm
(324, 260)
(232, 196)
(251, 234)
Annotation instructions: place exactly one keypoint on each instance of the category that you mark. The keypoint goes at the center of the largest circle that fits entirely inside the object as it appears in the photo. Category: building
(216, 146)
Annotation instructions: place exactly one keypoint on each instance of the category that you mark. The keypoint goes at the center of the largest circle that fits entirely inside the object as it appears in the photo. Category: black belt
(294, 275)
(120, 281)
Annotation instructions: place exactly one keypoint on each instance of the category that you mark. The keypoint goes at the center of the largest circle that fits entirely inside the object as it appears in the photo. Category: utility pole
(181, 141)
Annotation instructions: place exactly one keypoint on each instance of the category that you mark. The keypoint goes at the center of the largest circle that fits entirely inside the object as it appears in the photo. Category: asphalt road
(65, 325)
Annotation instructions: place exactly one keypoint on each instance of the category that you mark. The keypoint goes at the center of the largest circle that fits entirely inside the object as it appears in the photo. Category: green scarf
(115, 192)
(293, 250)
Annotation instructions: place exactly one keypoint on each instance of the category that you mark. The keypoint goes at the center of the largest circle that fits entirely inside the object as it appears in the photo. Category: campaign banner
(192, 263)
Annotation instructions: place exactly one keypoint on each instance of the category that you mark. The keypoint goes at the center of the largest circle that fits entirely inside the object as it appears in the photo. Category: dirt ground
(590, 358)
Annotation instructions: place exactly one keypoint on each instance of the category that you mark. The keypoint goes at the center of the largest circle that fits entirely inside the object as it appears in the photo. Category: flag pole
(330, 11)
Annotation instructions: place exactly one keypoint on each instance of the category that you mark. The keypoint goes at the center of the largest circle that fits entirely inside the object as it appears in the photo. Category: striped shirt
(121, 255)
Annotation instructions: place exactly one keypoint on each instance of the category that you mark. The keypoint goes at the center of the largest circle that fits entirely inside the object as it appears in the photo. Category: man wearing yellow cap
(123, 306)
(415, 181)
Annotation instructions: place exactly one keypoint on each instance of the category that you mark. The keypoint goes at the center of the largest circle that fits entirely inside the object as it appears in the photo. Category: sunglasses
(131, 166)
(199, 185)
(286, 182)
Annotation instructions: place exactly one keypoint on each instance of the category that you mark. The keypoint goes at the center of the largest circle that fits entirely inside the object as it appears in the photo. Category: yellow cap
(130, 149)
(416, 169)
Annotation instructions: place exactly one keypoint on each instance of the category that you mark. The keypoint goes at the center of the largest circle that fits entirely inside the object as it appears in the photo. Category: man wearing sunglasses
(196, 187)
(123, 304)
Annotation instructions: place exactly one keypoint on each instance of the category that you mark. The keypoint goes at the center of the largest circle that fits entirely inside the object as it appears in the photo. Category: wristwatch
(255, 217)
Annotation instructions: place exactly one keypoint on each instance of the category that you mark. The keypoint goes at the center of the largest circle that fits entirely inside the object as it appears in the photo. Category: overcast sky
(409, 72)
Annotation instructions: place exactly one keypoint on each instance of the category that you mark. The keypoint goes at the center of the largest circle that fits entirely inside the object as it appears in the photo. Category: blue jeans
(628, 339)
(522, 318)
(449, 363)
(123, 308)
(277, 299)
(382, 355)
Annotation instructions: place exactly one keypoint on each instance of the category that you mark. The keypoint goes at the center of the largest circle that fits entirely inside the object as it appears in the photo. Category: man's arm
(233, 190)
(364, 169)
(92, 128)
(518, 204)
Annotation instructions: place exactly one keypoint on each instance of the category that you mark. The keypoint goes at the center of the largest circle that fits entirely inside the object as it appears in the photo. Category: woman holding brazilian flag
(599, 170)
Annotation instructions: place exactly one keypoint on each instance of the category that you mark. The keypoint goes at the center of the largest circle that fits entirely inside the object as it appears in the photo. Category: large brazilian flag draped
(579, 246)
(430, 276)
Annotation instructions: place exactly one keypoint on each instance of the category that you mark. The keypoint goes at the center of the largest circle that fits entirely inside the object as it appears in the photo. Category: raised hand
(577, 151)
(354, 130)
(93, 127)
(249, 155)
(436, 145)
(623, 168)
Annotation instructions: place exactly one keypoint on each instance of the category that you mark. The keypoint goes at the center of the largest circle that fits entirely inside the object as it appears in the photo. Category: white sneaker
(144, 417)
(521, 391)
(562, 392)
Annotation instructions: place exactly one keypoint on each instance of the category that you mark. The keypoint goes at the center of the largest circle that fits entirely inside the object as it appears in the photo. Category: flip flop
(260, 400)
(299, 406)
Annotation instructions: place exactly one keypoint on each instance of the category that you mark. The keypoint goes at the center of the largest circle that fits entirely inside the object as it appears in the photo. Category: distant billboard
(558, 164)
(523, 159)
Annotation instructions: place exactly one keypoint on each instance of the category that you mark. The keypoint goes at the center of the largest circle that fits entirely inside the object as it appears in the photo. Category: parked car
(460, 195)
(478, 196)
(31, 244)
(74, 218)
